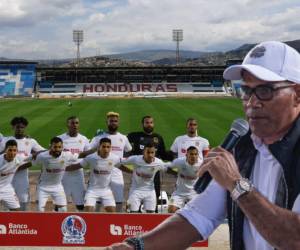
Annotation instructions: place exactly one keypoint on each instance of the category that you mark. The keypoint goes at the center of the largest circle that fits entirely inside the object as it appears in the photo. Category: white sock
(62, 209)
(41, 209)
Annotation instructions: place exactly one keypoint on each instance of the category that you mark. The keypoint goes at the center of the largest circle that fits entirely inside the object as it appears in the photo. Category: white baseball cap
(268, 61)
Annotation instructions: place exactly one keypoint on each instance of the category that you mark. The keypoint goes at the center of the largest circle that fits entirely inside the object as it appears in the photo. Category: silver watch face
(244, 185)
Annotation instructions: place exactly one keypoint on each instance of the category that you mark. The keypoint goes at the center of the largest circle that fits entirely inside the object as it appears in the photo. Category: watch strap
(136, 242)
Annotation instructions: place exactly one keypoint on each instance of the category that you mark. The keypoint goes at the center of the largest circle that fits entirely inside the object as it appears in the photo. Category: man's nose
(253, 101)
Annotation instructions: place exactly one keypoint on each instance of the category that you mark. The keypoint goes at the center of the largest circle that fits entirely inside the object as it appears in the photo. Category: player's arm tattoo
(125, 169)
(73, 167)
(87, 152)
(24, 166)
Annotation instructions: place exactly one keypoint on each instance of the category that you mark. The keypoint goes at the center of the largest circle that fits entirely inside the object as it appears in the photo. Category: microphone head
(240, 126)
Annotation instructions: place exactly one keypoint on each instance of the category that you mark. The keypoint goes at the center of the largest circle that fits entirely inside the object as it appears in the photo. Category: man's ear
(297, 91)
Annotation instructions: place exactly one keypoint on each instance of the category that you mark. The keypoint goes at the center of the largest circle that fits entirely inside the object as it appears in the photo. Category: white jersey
(119, 143)
(25, 146)
(187, 175)
(53, 168)
(8, 169)
(75, 145)
(143, 173)
(101, 169)
(183, 142)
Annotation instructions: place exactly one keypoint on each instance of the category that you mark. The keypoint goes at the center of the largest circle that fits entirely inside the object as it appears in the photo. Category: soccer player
(187, 167)
(183, 142)
(138, 140)
(101, 164)
(74, 142)
(26, 146)
(119, 144)
(9, 164)
(53, 163)
(142, 186)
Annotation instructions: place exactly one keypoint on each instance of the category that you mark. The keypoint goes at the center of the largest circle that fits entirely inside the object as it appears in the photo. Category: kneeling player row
(54, 162)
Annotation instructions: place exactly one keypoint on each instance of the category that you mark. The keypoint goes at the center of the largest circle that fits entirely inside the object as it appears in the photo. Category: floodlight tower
(78, 39)
(177, 37)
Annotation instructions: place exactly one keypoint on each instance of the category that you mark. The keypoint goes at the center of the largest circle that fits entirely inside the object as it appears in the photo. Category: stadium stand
(17, 78)
(25, 78)
(135, 81)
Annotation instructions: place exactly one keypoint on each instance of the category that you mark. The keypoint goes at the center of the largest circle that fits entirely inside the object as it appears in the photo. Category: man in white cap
(258, 186)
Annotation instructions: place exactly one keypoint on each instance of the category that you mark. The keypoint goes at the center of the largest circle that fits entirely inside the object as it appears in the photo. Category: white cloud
(114, 26)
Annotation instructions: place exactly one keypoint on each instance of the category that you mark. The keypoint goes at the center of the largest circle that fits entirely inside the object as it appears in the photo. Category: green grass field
(47, 116)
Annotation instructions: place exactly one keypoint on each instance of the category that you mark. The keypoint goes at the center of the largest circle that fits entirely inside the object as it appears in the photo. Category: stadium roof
(7, 61)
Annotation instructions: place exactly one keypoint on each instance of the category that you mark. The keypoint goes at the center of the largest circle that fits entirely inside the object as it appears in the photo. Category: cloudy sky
(42, 29)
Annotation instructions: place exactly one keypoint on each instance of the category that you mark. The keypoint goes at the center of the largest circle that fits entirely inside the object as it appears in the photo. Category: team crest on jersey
(155, 139)
(80, 141)
(197, 143)
(62, 162)
(110, 163)
(121, 140)
(73, 228)
(27, 143)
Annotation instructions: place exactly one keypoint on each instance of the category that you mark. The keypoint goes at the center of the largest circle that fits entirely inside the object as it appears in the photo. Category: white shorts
(9, 197)
(56, 192)
(20, 183)
(179, 200)
(105, 196)
(137, 197)
(73, 183)
(117, 184)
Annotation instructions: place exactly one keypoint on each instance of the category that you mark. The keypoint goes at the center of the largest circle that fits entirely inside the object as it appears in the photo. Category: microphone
(238, 129)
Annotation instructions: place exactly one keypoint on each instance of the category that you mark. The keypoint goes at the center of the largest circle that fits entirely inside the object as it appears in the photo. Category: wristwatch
(242, 186)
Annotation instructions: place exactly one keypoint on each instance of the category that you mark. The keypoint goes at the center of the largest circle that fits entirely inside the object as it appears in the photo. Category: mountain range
(160, 57)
